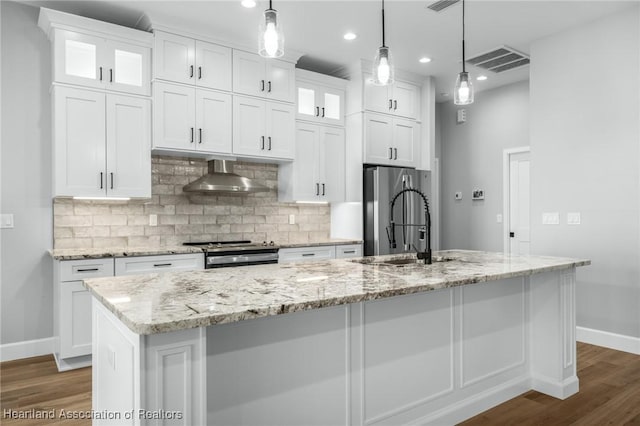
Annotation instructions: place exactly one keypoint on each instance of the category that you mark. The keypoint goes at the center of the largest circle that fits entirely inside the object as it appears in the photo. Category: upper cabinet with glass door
(320, 98)
(96, 54)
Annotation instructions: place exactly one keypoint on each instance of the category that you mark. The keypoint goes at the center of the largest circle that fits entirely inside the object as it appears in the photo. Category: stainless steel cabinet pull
(390, 103)
(262, 146)
(349, 252)
(200, 135)
(158, 265)
(395, 105)
(191, 71)
(323, 192)
(317, 189)
(390, 153)
(88, 270)
(199, 73)
(396, 156)
(111, 180)
(317, 111)
(192, 135)
(269, 143)
(101, 181)
(110, 75)
(308, 254)
(262, 90)
(269, 87)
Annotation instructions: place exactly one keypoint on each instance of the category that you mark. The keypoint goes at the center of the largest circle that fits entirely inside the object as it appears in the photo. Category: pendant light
(383, 63)
(271, 38)
(463, 93)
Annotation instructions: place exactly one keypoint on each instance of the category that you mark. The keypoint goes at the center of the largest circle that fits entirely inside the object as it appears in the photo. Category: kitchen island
(379, 340)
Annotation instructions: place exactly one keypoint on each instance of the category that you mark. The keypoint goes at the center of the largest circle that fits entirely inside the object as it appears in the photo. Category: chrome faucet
(424, 228)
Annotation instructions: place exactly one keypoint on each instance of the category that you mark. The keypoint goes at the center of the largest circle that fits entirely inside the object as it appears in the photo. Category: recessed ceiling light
(350, 36)
(425, 60)
(481, 78)
(249, 3)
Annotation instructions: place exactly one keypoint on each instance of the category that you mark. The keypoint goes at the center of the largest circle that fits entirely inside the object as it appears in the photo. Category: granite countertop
(158, 303)
(97, 253)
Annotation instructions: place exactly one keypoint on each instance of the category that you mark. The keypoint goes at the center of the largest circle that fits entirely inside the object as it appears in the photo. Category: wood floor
(609, 394)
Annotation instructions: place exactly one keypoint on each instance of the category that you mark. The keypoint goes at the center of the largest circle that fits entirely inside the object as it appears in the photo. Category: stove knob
(264, 243)
(271, 243)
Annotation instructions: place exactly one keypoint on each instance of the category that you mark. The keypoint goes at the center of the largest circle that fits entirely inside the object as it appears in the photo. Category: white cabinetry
(162, 263)
(317, 174)
(317, 102)
(189, 61)
(263, 129)
(266, 78)
(191, 119)
(90, 60)
(390, 140)
(101, 144)
(328, 252)
(400, 99)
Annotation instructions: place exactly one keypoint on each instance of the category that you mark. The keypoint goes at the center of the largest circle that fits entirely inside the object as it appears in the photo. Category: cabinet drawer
(351, 250)
(306, 254)
(164, 263)
(77, 270)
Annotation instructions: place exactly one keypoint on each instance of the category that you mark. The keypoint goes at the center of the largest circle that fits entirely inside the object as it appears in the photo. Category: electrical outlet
(461, 116)
(6, 221)
(458, 195)
(153, 220)
(573, 218)
(552, 218)
(292, 219)
(499, 218)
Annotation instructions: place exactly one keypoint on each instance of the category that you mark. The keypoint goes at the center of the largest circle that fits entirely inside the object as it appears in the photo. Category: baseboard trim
(560, 390)
(67, 364)
(619, 342)
(467, 408)
(26, 349)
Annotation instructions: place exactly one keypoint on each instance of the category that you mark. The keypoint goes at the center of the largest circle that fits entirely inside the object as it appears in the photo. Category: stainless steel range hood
(220, 181)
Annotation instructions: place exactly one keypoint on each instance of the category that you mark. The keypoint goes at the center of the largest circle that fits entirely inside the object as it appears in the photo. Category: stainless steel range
(237, 253)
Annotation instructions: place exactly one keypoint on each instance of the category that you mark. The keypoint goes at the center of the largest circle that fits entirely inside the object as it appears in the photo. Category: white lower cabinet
(297, 254)
(317, 173)
(72, 302)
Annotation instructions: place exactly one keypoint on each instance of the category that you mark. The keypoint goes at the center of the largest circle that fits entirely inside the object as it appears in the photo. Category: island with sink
(375, 340)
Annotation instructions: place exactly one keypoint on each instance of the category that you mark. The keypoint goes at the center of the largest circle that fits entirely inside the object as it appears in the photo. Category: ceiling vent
(501, 59)
(440, 5)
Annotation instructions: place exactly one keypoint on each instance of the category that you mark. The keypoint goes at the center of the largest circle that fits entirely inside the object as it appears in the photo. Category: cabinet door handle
(199, 73)
(111, 180)
(390, 103)
(200, 135)
(191, 135)
(269, 87)
(317, 111)
(390, 153)
(317, 189)
(110, 75)
(158, 265)
(323, 192)
(190, 71)
(88, 270)
(101, 181)
(262, 146)
(349, 252)
(269, 143)
(395, 105)
(308, 254)
(323, 111)
(100, 73)
(396, 151)
(262, 81)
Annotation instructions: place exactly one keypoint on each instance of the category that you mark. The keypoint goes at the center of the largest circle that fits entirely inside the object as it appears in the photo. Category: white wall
(25, 151)
(585, 135)
(471, 158)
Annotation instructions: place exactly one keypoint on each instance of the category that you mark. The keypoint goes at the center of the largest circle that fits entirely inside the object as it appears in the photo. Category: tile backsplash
(183, 218)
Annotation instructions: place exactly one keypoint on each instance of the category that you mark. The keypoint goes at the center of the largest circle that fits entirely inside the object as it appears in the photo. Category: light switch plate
(6, 221)
(292, 219)
(499, 218)
(573, 218)
(458, 195)
(552, 218)
(153, 220)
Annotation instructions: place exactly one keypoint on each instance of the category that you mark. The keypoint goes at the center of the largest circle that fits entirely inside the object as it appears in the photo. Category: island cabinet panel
(283, 370)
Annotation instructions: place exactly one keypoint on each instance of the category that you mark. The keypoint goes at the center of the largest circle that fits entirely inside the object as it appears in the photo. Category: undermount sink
(404, 261)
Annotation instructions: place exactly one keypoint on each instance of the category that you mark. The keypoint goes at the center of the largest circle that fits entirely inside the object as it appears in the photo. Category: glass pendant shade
(270, 38)
(463, 93)
(383, 67)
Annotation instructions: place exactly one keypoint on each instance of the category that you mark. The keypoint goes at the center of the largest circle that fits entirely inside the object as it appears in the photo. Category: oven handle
(241, 258)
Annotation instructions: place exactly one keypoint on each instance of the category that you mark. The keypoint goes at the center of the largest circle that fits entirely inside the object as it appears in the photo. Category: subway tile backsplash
(183, 218)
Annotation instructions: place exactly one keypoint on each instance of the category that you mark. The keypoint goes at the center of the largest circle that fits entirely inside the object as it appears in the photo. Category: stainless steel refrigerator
(381, 184)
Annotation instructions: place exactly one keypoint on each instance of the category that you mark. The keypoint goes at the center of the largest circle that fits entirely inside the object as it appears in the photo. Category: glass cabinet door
(307, 102)
(128, 68)
(77, 59)
(332, 110)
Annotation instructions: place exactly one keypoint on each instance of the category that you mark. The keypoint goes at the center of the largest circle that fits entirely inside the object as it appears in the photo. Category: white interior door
(519, 199)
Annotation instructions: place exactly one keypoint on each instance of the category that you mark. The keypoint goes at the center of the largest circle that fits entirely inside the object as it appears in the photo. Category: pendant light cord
(271, 8)
(463, 56)
(383, 45)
